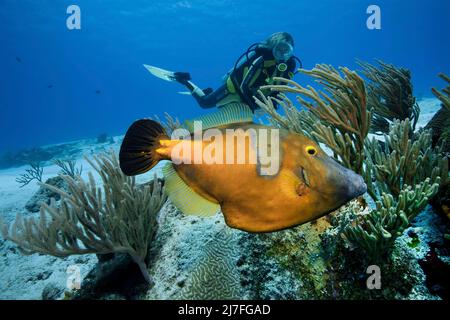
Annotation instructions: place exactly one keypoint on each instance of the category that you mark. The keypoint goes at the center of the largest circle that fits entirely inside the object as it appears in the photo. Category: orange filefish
(305, 185)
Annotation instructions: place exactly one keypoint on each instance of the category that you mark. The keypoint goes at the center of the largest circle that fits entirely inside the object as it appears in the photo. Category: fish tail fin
(138, 152)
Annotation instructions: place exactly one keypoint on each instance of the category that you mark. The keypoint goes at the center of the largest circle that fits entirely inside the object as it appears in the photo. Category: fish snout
(357, 186)
(347, 184)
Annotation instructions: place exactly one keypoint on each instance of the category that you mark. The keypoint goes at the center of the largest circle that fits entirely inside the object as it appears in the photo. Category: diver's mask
(282, 51)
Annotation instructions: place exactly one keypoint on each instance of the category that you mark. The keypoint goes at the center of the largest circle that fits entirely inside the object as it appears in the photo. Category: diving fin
(161, 73)
(138, 150)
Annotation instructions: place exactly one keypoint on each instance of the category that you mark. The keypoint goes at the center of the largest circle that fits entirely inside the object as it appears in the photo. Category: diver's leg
(205, 98)
(211, 100)
(185, 79)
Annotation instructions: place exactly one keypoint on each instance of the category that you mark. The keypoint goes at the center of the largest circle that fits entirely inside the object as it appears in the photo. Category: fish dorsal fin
(184, 198)
(230, 113)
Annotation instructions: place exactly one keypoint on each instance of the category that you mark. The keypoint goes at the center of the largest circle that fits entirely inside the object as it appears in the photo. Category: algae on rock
(285, 265)
(120, 217)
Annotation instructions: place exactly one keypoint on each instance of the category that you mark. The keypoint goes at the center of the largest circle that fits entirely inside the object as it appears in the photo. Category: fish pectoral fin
(184, 197)
(290, 183)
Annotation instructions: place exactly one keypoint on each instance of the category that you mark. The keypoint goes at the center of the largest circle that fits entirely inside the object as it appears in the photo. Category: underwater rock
(437, 272)
(311, 261)
(118, 277)
(44, 195)
(215, 277)
(194, 258)
(52, 292)
(286, 264)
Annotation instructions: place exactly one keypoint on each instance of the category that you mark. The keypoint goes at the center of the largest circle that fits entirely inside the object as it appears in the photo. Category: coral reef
(189, 257)
(389, 95)
(339, 118)
(377, 231)
(402, 173)
(121, 219)
(401, 276)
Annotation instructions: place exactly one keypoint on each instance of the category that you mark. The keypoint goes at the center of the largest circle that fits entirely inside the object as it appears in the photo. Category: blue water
(49, 75)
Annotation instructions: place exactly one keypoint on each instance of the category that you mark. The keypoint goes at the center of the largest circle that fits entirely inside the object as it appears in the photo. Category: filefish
(307, 185)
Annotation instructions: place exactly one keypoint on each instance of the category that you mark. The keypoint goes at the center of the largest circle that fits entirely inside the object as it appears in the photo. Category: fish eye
(311, 150)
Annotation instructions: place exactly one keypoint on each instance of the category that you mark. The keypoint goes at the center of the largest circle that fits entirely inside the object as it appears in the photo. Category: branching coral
(119, 218)
(377, 231)
(403, 160)
(338, 115)
(389, 95)
(33, 173)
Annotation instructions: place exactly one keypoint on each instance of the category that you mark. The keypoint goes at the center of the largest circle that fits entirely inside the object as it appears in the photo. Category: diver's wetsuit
(243, 81)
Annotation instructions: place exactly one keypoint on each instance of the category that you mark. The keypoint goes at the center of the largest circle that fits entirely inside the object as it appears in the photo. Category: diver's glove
(181, 77)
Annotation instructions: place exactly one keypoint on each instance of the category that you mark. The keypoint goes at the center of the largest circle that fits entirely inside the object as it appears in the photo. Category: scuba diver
(256, 67)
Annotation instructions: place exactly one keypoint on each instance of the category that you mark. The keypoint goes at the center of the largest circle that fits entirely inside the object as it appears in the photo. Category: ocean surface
(59, 85)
